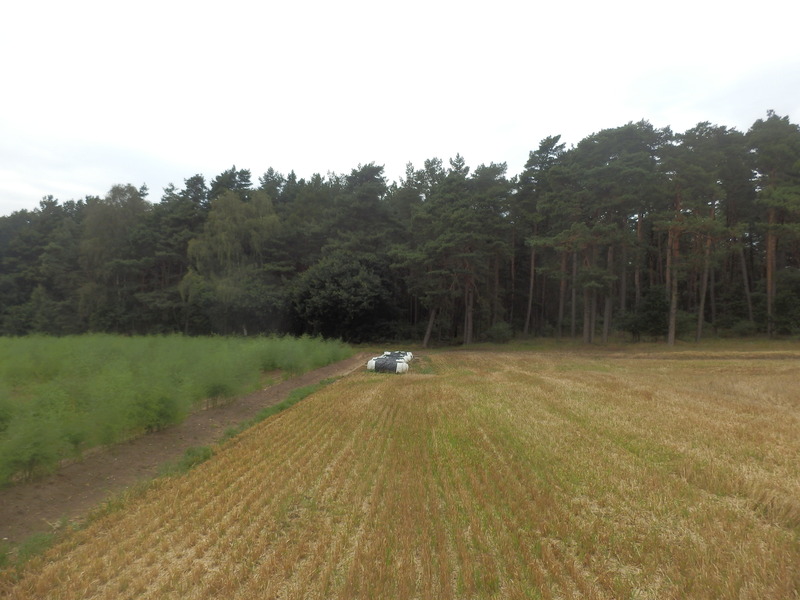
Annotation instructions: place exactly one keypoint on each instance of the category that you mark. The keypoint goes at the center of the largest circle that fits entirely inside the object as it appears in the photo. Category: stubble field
(587, 474)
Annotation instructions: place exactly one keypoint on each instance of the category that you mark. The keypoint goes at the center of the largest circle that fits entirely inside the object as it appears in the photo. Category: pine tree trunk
(526, 329)
(542, 317)
(468, 305)
(672, 263)
(607, 312)
(772, 245)
(672, 278)
(623, 281)
(673, 310)
(513, 274)
(746, 281)
(668, 273)
(701, 305)
(587, 316)
(656, 273)
(574, 307)
(712, 298)
(562, 294)
(608, 308)
(701, 309)
(637, 274)
(429, 329)
(496, 309)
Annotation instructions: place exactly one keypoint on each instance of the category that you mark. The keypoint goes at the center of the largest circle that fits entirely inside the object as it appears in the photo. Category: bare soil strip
(76, 488)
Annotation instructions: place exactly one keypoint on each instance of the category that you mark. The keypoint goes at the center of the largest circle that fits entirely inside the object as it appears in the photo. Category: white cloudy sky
(96, 92)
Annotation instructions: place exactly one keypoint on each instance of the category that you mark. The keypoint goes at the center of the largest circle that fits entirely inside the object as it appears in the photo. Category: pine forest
(635, 231)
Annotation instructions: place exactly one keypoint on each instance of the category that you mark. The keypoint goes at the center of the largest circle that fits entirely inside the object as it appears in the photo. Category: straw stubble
(500, 475)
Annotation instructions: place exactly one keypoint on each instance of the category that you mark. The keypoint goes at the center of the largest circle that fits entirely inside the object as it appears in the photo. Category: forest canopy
(634, 229)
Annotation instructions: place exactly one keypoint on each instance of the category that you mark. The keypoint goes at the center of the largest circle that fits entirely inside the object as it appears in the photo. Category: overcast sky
(96, 93)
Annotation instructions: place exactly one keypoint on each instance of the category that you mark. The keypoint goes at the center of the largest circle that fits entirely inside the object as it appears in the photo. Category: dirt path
(76, 488)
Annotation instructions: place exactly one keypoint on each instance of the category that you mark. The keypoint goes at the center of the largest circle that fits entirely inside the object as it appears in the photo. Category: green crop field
(598, 473)
(60, 396)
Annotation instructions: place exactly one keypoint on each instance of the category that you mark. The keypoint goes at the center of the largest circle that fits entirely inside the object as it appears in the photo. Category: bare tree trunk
(542, 317)
(701, 305)
(672, 263)
(513, 275)
(574, 307)
(607, 312)
(526, 330)
(469, 297)
(562, 294)
(429, 330)
(746, 281)
(772, 245)
(637, 274)
(712, 298)
(587, 316)
(623, 281)
(496, 300)
(608, 308)
(673, 310)
(668, 274)
(701, 308)
(656, 274)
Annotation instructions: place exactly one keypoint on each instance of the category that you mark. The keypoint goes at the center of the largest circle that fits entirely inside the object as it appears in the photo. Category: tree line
(635, 229)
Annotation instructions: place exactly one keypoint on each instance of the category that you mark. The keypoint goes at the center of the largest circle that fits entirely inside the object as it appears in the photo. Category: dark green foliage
(233, 180)
(650, 319)
(498, 333)
(744, 329)
(345, 296)
(775, 146)
(568, 247)
(787, 302)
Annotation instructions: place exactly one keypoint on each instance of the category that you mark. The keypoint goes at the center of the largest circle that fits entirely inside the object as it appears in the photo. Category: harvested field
(482, 475)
